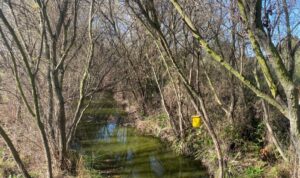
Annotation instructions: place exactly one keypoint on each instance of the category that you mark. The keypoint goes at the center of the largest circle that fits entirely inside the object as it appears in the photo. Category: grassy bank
(83, 171)
(244, 159)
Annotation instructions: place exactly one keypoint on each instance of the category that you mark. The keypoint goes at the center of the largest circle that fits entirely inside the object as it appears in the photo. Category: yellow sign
(196, 121)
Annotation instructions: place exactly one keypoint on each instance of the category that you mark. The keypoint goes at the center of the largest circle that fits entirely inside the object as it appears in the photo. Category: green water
(118, 151)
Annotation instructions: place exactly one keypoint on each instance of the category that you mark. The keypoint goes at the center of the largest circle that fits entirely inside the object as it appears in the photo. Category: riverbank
(246, 150)
(244, 162)
(159, 127)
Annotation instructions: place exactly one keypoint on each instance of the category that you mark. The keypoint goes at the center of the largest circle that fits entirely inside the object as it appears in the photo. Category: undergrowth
(83, 171)
(8, 167)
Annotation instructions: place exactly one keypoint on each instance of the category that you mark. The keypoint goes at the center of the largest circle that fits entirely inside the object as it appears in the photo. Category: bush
(253, 172)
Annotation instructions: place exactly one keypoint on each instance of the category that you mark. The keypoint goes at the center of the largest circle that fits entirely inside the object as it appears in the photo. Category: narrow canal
(119, 151)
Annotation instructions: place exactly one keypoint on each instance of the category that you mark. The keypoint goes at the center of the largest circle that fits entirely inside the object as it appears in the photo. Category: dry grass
(25, 136)
(83, 172)
(158, 126)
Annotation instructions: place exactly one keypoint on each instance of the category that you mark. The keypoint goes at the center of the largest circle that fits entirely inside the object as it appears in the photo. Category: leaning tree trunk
(267, 121)
(294, 117)
(79, 110)
(14, 153)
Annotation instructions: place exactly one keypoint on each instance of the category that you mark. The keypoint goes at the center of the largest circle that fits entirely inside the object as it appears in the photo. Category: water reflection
(119, 151)
(156, 166)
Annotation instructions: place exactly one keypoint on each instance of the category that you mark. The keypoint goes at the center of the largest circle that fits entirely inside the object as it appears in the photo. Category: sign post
(196, 121)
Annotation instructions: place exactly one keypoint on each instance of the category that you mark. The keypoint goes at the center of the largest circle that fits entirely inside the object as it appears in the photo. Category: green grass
(253, 172)
(8, 167)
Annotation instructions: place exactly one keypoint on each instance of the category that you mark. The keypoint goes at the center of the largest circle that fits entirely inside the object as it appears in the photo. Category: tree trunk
(211, 132)
(272, 134)
(14, 153)
(267, 121)
(163, 102)
(61, 117)
(294, 117)
(79, 109)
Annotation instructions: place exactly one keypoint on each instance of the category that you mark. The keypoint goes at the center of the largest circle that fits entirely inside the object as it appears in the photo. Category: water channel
(119, 151)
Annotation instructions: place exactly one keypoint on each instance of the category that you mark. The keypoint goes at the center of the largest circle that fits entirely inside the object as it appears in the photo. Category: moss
(297, 66)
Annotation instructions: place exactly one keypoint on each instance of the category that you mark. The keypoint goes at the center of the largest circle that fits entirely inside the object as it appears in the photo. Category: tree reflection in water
(115, 150)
